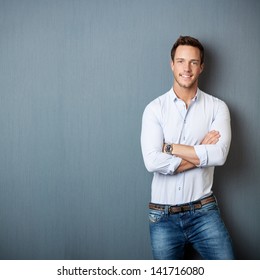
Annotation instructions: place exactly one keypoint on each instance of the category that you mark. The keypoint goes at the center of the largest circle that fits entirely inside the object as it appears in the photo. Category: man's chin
(187, 85)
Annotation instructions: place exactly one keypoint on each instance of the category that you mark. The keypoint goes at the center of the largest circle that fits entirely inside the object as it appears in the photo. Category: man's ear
(201, 68)
(172, 65)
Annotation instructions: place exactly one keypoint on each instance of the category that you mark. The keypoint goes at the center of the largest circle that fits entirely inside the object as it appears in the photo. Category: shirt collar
(175, 98)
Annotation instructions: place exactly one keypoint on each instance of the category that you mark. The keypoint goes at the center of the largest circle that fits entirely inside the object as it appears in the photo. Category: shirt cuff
(175, 162)
(202, 154)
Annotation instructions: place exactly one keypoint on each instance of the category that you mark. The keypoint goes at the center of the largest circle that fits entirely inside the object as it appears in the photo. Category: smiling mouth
(186, 76)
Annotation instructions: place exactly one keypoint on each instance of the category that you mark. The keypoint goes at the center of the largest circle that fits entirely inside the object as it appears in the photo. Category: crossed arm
(187, 153)
(211, 151)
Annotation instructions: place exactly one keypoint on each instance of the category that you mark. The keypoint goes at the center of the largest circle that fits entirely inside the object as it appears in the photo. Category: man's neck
(185, 94)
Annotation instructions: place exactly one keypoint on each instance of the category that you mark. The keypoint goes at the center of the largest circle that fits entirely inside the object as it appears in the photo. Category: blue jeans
(202, 228)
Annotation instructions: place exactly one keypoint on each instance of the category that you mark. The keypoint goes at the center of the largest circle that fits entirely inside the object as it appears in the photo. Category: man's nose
(187, 66)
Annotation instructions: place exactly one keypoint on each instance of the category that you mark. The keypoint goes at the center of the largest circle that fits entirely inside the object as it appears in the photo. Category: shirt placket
(180, 177)
(183, 110)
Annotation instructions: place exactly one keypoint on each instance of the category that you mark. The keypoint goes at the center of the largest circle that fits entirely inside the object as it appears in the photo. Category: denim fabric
(202, 228)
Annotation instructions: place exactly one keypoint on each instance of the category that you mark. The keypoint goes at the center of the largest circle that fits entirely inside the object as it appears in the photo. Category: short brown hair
(188, 41)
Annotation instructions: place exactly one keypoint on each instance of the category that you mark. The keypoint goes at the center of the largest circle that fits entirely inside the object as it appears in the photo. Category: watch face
(168, 149)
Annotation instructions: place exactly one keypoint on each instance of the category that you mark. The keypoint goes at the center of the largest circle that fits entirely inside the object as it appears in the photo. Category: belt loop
(192, 208)
(166, 209)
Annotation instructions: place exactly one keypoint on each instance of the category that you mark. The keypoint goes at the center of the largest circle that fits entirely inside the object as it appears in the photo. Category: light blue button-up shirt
(167, 120)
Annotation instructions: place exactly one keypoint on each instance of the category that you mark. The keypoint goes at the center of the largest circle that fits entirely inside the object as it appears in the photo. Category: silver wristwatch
(168, 149)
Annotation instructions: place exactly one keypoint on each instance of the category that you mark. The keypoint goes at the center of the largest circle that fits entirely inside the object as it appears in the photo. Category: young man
(185, 134)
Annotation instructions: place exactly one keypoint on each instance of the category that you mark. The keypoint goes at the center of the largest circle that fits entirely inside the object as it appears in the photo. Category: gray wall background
(75, 77)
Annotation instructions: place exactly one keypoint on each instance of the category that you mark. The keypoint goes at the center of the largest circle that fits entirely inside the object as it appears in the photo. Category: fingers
(211, 137)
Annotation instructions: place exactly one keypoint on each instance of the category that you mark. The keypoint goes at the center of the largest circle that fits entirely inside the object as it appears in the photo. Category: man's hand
(211, 137)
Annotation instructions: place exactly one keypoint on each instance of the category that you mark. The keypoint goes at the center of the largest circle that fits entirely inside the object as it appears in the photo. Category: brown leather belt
(183, 207)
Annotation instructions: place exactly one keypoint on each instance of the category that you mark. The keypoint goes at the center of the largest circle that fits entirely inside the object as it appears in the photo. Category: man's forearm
(185, 152)
(185, 166)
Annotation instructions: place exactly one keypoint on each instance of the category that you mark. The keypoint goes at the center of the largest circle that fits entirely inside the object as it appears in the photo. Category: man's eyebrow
(180, 58)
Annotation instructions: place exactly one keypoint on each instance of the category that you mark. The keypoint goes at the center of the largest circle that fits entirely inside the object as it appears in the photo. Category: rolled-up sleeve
(152, 140)
(216, 154)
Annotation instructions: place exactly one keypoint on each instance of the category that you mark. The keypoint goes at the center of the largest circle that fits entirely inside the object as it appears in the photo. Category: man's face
(187, 66)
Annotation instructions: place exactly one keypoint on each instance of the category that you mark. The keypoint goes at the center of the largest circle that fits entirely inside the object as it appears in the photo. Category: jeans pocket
(155, 216)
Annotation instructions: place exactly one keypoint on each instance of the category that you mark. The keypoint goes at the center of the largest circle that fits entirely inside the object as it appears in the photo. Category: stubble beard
(186, 86)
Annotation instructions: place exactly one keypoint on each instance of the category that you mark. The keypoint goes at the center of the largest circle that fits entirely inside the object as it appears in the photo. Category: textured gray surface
(75, 77)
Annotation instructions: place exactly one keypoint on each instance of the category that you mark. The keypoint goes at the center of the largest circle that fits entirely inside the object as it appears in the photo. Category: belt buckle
(198, 205)
(171, 210)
